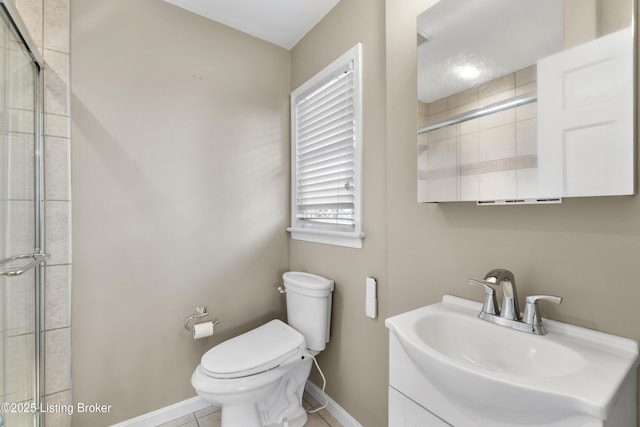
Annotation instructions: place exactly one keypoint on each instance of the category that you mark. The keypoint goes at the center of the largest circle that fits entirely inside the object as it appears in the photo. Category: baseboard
(166, 414)
(189, 406)
(333, 408)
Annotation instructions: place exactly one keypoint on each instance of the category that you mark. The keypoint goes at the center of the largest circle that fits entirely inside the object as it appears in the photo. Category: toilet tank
(309, 307)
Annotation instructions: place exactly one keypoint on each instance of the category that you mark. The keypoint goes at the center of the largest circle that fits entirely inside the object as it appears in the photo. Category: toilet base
(284, 407)
(240, 416)
(247, 416)
(294, 422)
(274, 401)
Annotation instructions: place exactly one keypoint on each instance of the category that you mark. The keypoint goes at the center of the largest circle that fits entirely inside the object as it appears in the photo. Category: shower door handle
(37, 259)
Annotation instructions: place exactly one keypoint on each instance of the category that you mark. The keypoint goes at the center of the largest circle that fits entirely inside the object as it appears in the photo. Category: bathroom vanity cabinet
(405, 412)
(414, 402)
(406, 386)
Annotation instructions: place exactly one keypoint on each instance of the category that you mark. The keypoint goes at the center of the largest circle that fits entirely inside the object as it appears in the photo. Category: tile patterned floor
(210, 417)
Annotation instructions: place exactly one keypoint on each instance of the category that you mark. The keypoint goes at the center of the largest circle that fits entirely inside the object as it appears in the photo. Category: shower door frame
(19, 29)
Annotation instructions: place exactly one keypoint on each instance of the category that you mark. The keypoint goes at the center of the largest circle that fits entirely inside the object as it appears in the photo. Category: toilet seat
(259, 350)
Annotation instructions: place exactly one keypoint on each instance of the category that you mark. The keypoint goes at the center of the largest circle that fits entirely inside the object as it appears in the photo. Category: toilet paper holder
(200, 311)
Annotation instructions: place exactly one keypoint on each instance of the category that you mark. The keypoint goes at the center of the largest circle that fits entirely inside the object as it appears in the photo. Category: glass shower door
(21, 254)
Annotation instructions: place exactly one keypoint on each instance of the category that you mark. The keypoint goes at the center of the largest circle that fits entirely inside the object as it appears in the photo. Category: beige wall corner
(355, 360)
(584, 250)
(180, 164)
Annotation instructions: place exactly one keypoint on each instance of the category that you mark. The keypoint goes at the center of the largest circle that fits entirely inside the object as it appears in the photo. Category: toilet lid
(258, 350)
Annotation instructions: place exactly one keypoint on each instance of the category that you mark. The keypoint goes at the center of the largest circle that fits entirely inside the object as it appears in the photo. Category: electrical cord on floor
(324, 384)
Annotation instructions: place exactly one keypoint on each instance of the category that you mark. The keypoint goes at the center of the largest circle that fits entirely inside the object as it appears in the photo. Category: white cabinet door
(585, 119)
(404, 412)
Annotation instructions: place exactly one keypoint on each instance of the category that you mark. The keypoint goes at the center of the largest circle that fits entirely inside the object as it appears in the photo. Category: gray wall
(585, 250)
(161, 207)
(355, 361)
(180, 169)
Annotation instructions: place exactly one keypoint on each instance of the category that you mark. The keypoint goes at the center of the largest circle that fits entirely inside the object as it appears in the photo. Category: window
(326, 146)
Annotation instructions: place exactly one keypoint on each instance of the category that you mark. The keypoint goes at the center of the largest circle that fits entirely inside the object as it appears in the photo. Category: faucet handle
(531, 314)
(490, 305)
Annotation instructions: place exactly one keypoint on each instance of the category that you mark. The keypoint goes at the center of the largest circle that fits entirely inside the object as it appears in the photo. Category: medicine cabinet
(525, 101)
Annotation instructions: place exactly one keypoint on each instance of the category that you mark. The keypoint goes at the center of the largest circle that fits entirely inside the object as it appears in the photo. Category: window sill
(347, 239)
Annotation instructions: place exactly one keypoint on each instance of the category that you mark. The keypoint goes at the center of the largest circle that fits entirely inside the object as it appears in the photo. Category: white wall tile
(526, 112)
(57, 154)
(527, 137)
(58, 360)
(526, 75)
(59, 418)
(56, 25)
(55, 125)
(469, 148)
(497, 185)
(496, 86)
(58, 297)
(56, 77)
(469, 187)
(494, 137)
(20, 83)
(48, 24)
(19, 121)
(469, 126)
(497, 143)
(58, 229)
(440, 189)
(423, 109)
(461, 98)
(31, 12)
(19, 419)
(21, 175)
(463, 108)
(19, 303)
(500, 96)
(526, 89)
(437, 106)
(434, 135)
(528, 183)
(442, 154)
(20, 234)
(497, 119)
(19, 352)
(435, 118)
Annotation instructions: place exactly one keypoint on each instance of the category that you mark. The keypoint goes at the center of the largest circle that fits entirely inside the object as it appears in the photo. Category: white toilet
(258, 377)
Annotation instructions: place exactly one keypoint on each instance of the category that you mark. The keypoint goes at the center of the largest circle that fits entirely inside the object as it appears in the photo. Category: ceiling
(472, 42)
(281, 22)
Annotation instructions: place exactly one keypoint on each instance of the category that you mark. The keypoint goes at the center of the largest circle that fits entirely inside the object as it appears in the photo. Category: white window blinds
(325, 150)
(325, 144)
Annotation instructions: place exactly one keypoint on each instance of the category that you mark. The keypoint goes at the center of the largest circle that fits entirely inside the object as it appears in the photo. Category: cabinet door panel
(585, 119)
(404, 412)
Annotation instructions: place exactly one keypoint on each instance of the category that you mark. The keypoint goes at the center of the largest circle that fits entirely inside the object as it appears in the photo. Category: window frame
(328, 234)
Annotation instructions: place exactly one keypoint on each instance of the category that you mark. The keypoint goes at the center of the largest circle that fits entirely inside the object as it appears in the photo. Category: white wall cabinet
(585, 119)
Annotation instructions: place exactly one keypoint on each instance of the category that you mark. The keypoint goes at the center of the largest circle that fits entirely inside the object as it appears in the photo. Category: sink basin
(512, 375)
(469, 342)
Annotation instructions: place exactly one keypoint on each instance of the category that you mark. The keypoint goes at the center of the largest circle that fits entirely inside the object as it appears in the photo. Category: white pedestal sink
(470, 373)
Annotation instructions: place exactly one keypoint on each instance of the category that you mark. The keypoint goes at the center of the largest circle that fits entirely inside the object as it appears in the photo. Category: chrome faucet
(509, 314)
(531, 314)
(505, 279)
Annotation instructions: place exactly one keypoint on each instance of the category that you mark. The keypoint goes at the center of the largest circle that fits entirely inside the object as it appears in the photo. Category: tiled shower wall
(483, 158)
(48, 24)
